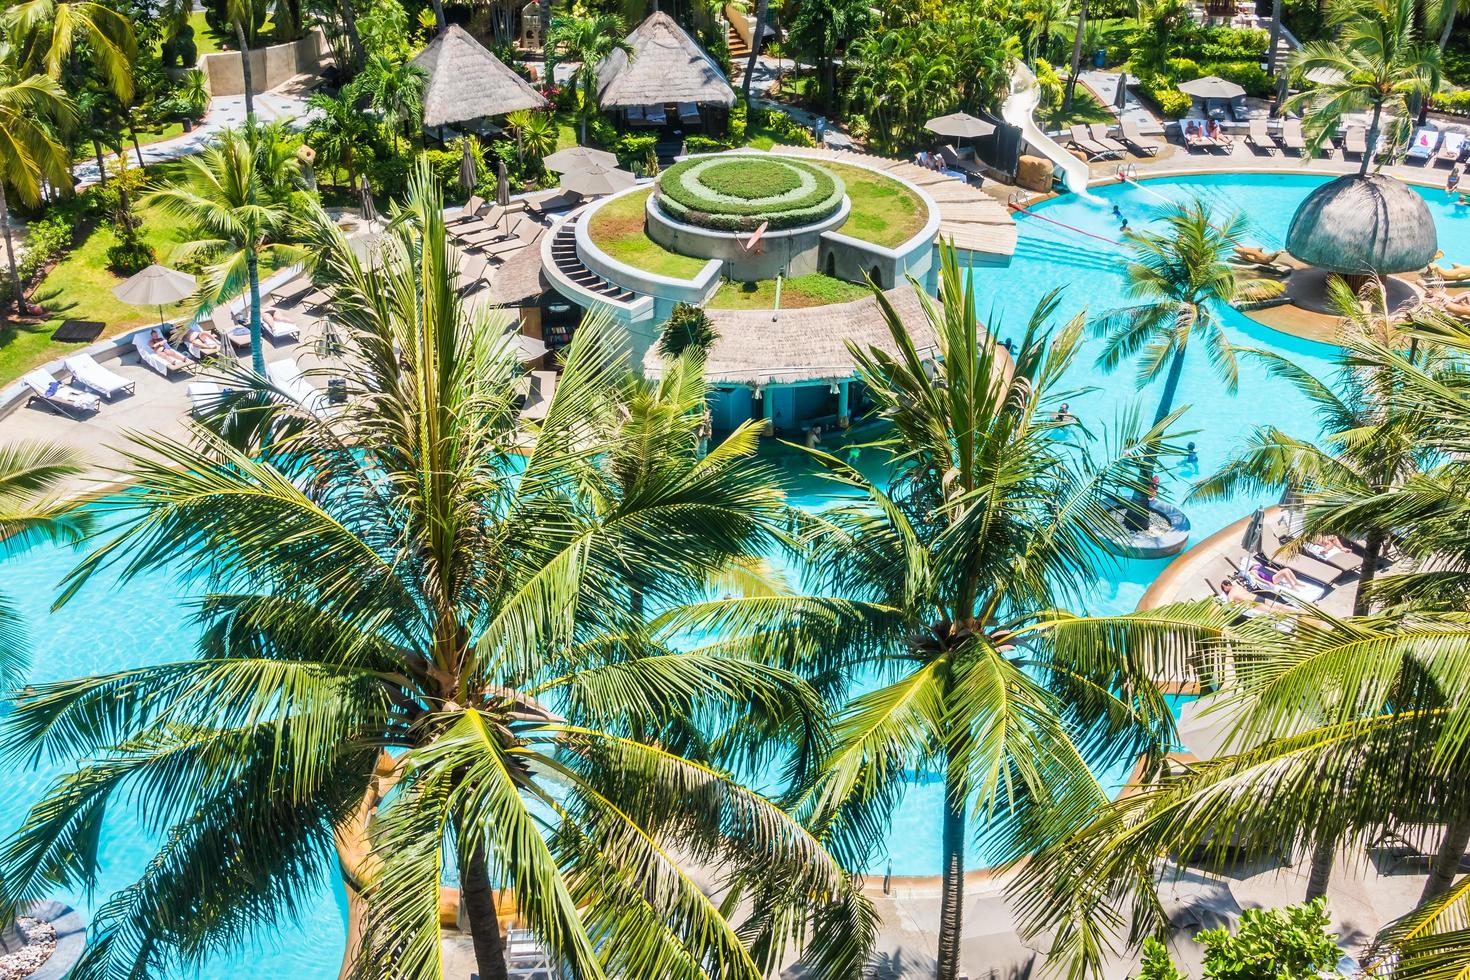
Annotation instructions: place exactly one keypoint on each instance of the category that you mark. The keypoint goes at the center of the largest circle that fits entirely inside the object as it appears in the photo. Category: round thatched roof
(467, 82)
(1358, 225)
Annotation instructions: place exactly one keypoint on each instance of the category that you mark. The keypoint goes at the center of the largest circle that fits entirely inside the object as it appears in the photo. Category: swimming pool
(111, 627)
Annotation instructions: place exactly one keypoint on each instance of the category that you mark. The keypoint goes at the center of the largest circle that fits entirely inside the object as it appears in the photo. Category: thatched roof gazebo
(666, 66)
(466, 82)
(1363, 225)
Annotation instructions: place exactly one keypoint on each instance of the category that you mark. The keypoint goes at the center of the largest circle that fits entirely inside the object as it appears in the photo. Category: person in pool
(1453, 180)
(1064, 415)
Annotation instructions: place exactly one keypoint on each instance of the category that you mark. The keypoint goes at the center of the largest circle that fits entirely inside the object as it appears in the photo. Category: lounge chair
(204, 396)
(1426, 141)
(563, 201)
(289, 292)
(1258, 136)
(287, 378)
(1331, 564)
(1099, 134)
(87, 373)
(1217, 109)
(540, 386)
(152, 358)
(1355, 140)
(1291, 135)
(1134, 139)
(1449, 148)
(469, 212)
(1238, 111)
(1307, 589)
(654, 115)
(60, 398)
(472, 273)
(1082, 141)
(957, 161)
(688, 114)
(278, 326)
(231, 329)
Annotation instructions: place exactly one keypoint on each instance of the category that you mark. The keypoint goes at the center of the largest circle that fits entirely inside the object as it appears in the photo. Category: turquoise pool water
(110, 627)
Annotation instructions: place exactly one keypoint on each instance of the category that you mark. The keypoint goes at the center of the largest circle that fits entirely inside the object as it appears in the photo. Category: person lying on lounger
(1218, 135)
(1235, 590)
(1280, 578)
(201, 340)
(1325, 546)
(159, 346)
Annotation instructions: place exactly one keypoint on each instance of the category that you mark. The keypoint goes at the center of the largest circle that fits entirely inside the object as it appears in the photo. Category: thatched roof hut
(521, 278)
(666, 66)
(759, 347)
(1363, 225)
(467, 82)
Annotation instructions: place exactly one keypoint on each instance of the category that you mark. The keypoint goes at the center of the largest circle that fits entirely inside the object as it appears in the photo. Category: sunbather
(201, 340)
(159, 345)
(1248, 253)
(1325, 546)
(1235, 590)
(1267, 577)
(1219, 135)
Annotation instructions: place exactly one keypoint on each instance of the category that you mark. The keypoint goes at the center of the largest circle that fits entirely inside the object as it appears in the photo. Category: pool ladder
(1016, 198)
(1128, 171)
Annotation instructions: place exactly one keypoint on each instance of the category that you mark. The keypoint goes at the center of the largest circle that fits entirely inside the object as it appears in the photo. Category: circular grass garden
(739, 193)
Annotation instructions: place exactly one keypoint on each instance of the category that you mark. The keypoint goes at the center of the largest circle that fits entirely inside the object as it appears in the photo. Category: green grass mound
(738, 193)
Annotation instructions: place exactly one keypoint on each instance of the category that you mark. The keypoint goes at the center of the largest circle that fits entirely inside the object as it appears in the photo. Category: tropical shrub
(389, 175)
(704, 144)
(634, 148)
(46, 239)
(688, 327)
(739, 193)
(1456, 102)
(118, 199)
(1249, 75)
(782, 127)
(1156, 964)
(1183, 68)
(1289, 943)
(737, 124)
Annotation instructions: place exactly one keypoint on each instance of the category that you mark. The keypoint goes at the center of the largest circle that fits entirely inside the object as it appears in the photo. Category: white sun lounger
(87, 373)
(287, 378)
(1426, 140)
(1450, 146)
(204, 396)
(60, 398)
(278, 326)
(151, 357)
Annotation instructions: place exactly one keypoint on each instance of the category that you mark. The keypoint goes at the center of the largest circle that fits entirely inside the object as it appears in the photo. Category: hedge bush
(1456, 102)
(1247, 74)
(741, 192)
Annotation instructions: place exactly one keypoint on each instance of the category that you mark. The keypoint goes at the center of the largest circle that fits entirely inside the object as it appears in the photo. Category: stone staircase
(564, 254)
(739, 50)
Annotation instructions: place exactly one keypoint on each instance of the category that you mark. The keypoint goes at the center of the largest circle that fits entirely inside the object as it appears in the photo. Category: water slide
(1018, 110)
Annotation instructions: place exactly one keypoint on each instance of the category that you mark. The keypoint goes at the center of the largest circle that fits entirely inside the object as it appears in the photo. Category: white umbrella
(157, 285)
(1211, 87)
(597, 180)
(575, 158)
(960, 125)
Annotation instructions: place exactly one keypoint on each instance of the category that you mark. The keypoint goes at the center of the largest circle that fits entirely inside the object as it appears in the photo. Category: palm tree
(30, 156)
(1376, 63)
(587, 39)
(821, 29)
(960, 566)
(434, 591)
(47, 32)
(1182, 277)
(1076, 57)
(535, 133)
(757, 38)
(241, 15)
(221, 195)
(337, 131)
(30, 513)
(395, 89)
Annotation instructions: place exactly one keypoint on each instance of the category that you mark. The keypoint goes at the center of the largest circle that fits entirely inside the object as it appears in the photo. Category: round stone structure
(1363, 225)
(742, 192)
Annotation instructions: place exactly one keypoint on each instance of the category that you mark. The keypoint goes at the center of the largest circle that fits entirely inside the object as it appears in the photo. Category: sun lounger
(278, 326)
(1217, 109)
(1099, 134)
(469, 212)
(318, 298)
(955, 161)
(1449, 147)
(472, 273)
(1291, 135)
(153, 358)
(1426, 141)
(1258, 136)
(1134, 139)
(541, 385)
(204, 396)
(563, 201)
(688, 114)
(1355, 140)
(232, 330)
(1238, 111)
(287, 378)
(87, 373)
(290, 292)
(1082, 141)
(654, 115)
(60, 398)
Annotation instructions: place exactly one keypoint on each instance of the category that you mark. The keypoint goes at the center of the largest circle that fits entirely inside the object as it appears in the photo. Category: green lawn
(80, 288)
(205, 39)
(884, 211)
(797, 292)
(1085, 111)
(566, 130)
(617, 228)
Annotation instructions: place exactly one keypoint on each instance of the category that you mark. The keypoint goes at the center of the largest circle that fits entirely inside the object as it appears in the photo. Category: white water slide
(1018, 110)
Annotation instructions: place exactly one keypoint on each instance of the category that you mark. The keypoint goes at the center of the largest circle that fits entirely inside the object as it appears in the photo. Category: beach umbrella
(1211, 87)
(502, 187)
(1122, 99)
(467, 175)
(575, 158)
(157, 285)
(597, 180)
(1251, 540)
(365, 192)
(960, 125)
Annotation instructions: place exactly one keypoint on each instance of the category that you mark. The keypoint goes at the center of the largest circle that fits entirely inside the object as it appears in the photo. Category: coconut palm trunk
(952, 896)
(137, 147)
(1373, 546)
(1136, 518)
(246, 80)
(1076, 57)
(761, 12)
(1324, 853)
(1447, 860)
(1275, 37)
(257, 353)
(478, 900)
(354, 39)
(439, 22)
(10, 248)
(1449, 25)
(101, 163)
(1372, 139)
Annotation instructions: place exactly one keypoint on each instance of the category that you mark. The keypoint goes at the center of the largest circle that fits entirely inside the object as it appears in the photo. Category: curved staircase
(569, 264)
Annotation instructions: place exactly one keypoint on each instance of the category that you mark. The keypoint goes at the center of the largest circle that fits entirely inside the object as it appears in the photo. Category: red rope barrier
(1062, 224)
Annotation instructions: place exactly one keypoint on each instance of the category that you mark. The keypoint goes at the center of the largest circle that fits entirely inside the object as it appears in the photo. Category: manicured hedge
(738, 193)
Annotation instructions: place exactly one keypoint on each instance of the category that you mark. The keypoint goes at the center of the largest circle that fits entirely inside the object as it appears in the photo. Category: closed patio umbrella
(597, 180)
(960, 125)
(1211, 87)
(575, 158)
(1251, 540)
(157, 285)
(467, 175)
(502, 187)
(365, 192)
